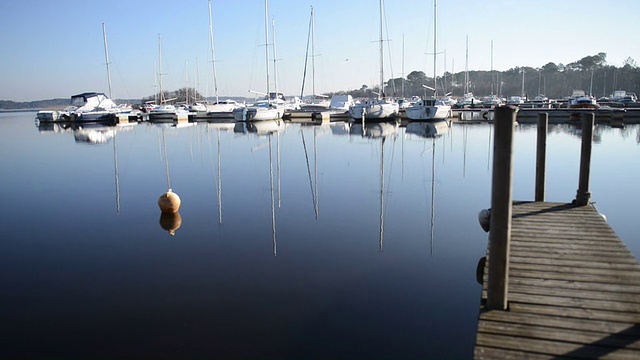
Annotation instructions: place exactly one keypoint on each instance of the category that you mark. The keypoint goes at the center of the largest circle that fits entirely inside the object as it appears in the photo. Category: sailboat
(162, 111)
(272, 106)
(224, 108)
(434, 108)
(314, 104)
(376, 108)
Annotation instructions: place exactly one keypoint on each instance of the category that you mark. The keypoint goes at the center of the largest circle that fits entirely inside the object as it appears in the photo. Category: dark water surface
(304, 242)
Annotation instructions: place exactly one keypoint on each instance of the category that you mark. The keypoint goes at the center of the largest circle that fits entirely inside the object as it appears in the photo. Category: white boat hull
(374, 111)
(257, 114)
(422, 112)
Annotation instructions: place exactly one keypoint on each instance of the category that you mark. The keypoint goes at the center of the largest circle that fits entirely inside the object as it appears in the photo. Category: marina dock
(557, 282)
(574, 289)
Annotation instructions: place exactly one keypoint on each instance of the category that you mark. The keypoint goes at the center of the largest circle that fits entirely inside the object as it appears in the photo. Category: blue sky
(53, 49)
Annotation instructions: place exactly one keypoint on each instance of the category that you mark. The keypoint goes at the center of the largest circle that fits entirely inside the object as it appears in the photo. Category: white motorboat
(374, 109)
(579, 100)
(89, 106)
(224, 106)
(266, 109)
(428, 109)
(468, 100)
(198, 107)
(583, 102)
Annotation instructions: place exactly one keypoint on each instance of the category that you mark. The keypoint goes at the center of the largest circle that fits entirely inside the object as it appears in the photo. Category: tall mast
(160, 67)
(402, 92)
(466, 67)
(106, 56)
(197, 91)
(213, 56)
(491, 67)
(522, 82)
(155, 83)
(435, 82)
(186, 82)
(313, 55)
(381, 49)
(266, 39)
(444, 74)
(275, 58)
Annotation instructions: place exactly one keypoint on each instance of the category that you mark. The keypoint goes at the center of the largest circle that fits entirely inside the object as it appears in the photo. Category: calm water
(307, 241)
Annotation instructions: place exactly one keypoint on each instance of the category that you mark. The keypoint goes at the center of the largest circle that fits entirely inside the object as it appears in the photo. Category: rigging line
(306, 59)
(126, 90)
(306, 155)
(389, 51)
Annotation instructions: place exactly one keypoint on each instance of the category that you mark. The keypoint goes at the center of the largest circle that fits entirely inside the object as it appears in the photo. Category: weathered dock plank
(574, 289)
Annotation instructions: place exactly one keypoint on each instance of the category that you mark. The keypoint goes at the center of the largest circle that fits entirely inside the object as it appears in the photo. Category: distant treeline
(38, 104)
(556, 81)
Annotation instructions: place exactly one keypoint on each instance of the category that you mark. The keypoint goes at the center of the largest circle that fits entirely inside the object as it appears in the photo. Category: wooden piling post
(583, 195)
(541, 156)
(500, 223)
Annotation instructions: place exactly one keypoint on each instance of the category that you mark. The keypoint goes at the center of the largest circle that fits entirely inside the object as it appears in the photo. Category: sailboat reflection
(428, 129)
(219, 126)
(382, 131)
(265, 126)
(432, 130)
(375, 129)
(94, 135)
(268, 128)
(313, 184)
(50, 127)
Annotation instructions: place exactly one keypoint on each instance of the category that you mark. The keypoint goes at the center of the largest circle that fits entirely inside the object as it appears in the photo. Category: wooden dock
(574, 289)
(557, 281)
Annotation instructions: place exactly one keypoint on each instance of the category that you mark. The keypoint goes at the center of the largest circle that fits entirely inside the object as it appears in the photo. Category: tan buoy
(169, 202)
(170, 222)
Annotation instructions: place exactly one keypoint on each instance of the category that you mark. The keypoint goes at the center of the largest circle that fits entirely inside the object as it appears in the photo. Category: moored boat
(88, 106)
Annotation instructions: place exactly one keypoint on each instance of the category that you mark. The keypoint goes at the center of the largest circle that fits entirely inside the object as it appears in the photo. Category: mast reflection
(268, 128)
(430, 130)
(378, 130)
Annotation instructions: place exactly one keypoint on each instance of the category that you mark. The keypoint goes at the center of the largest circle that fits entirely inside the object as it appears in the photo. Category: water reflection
(170, 222)
(429, 129)
(267, 128)
(328, 277)
(381, 129)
